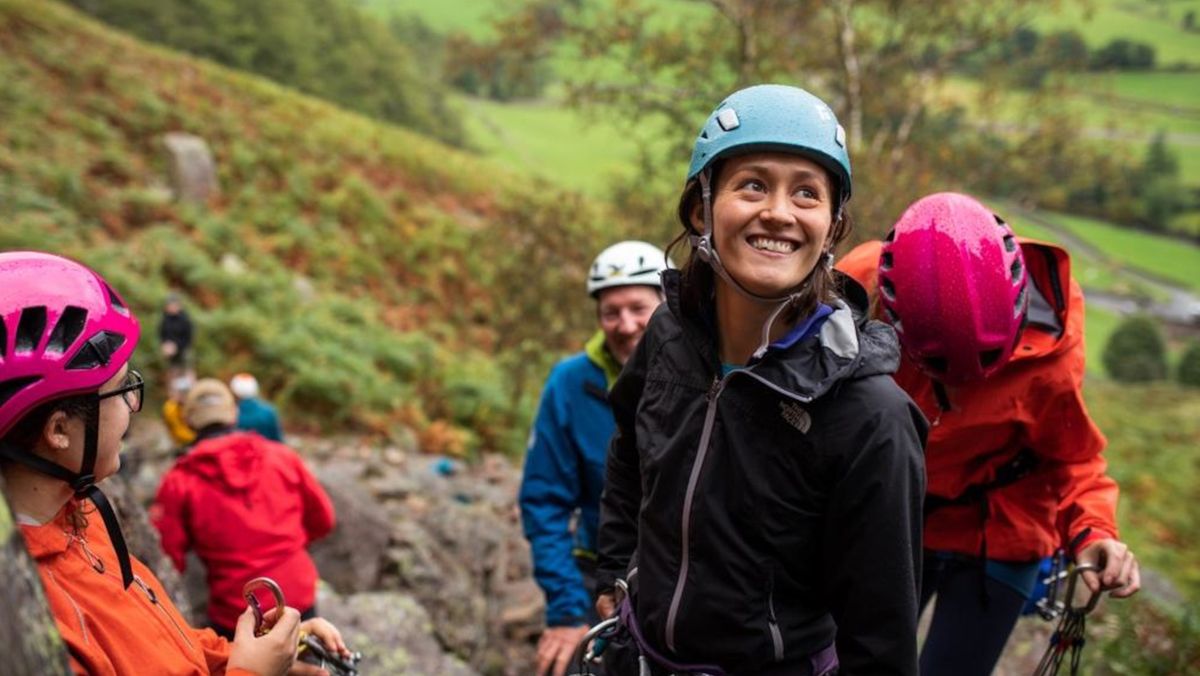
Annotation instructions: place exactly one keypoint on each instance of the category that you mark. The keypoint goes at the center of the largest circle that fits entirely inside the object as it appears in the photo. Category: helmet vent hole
(30, 328)
(1019, 305)
(885, 261)
(9, 388)
(96, 352)
(1016, 270)
(893, 318)
(999, 221)
(989, 357)
(891, 236)
(3, 339)
(936, 364)
(114, 298)
(68, 328)
(1010, 244)
(889, 290)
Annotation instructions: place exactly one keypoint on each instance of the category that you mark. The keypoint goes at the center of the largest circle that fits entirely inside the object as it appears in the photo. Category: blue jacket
(564, 471)
(256, 415)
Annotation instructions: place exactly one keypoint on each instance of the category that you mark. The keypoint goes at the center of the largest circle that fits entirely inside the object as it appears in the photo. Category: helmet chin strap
(708, 253)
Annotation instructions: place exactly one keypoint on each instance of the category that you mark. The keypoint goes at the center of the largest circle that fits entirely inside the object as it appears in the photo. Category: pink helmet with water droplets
(952, 281)
(63, 331)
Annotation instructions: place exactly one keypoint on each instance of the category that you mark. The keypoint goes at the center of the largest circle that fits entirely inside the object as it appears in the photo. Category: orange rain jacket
(1034, 402)
(110, 630)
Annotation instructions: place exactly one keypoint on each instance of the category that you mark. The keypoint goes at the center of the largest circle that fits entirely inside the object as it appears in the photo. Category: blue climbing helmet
(774, 117)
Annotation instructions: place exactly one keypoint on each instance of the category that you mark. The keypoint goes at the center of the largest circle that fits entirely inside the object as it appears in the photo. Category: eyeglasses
(131, 390)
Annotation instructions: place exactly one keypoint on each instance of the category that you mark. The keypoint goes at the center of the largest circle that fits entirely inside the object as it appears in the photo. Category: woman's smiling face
(772, 213)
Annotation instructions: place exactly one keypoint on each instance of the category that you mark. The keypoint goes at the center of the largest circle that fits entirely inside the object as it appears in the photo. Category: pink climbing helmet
(63, 331)
(952, 282)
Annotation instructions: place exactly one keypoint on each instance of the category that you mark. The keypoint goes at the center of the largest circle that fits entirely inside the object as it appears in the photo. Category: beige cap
(209, 402)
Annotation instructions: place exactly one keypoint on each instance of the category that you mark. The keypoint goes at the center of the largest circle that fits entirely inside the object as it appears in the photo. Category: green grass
(550, 140)
(1158, 23)
(1168, 258)
(1154, 454)
(472, 17)
(1098, 326)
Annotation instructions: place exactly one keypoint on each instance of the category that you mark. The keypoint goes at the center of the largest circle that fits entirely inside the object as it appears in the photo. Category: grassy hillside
(368, 275)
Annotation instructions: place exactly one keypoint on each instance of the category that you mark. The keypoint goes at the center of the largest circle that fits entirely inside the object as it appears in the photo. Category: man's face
(623, 312)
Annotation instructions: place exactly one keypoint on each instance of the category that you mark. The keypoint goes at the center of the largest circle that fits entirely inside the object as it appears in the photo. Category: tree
(877, 62)
(1136, 351)
(1189, 365)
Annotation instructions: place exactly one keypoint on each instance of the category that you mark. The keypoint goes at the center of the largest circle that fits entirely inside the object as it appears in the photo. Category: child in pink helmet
(66, 397)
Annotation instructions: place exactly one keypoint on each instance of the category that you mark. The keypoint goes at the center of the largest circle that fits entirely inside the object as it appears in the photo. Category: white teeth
(776, 245)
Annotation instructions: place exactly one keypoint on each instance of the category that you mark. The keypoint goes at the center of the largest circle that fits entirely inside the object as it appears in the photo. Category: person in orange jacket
(66, 398)
(991, 330)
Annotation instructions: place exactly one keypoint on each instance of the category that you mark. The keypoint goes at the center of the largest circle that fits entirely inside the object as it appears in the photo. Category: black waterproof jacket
(771, 510)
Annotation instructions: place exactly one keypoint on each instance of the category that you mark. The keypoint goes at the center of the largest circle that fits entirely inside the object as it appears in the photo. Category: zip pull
(713, 389)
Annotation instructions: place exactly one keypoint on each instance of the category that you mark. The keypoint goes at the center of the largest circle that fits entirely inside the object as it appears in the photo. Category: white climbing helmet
(628, 263)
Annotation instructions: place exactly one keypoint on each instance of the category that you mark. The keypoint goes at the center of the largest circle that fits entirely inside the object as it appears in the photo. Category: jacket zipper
(772, 620)
(710, 415)
(154, 601)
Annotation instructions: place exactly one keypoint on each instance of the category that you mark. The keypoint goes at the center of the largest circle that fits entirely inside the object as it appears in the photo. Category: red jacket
(1034, 402)
(249, 507)
(110, 630)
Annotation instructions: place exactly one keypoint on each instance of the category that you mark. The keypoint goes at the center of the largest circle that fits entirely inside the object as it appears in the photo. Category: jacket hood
(848, 345)
(232, 461)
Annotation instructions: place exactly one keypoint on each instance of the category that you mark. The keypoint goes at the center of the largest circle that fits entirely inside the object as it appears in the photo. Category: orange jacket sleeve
(167, 516)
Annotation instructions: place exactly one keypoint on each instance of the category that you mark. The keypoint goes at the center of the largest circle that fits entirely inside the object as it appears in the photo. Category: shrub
(1136, 351)
(1189, 365)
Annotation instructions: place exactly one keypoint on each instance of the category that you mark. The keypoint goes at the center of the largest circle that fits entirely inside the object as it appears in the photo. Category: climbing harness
(311, 649)
(1068, 636)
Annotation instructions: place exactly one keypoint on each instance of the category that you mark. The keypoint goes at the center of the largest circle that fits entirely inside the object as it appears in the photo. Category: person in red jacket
(67, 396)
(248, 506)
(991, 330)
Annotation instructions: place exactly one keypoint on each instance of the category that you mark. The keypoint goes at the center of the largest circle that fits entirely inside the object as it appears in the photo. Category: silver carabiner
(260, 625)
(1076, 573)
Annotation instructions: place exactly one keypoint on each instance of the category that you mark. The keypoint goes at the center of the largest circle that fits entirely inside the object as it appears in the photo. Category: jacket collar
(849, 345)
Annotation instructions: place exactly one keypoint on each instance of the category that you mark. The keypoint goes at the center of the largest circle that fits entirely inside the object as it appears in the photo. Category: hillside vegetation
(371, 277)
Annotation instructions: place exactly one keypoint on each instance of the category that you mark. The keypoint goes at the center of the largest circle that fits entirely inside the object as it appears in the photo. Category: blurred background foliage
(411, 191)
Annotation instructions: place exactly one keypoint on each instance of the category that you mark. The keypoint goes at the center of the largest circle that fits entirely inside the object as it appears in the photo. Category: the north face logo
(795, 415)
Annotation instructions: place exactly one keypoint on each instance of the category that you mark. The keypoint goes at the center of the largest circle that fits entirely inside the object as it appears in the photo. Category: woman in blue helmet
(764, 485)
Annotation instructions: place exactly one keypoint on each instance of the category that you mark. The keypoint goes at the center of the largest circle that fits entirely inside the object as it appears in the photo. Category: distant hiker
(248, 506)
(763, 490)
(991, 327)
(67, 395)
(172, 411)
(175, 335)
(254, 414)
(564, 463)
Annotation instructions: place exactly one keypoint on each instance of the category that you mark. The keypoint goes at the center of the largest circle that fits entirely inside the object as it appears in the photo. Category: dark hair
(697, 276)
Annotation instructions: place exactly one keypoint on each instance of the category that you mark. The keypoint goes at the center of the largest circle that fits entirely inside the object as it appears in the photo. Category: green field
(458, 16)
(533, 136)
(1159, 23)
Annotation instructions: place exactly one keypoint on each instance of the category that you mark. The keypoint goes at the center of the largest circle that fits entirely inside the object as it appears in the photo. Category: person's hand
(169, 348)
(606, 605)
(271, 654)
(1116, 568)
(329, 636)
(555, 648)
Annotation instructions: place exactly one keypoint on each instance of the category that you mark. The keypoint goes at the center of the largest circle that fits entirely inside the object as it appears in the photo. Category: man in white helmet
(564, 462)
